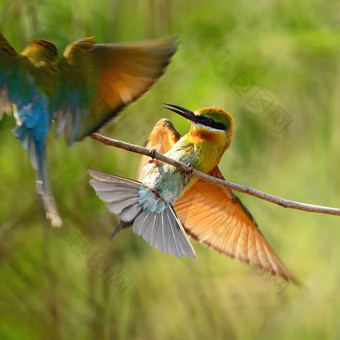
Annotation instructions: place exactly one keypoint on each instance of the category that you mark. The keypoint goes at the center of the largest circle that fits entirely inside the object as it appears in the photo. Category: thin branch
(237, 187)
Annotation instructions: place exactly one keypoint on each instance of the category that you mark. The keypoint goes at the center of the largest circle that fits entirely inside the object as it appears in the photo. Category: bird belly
(166, 180)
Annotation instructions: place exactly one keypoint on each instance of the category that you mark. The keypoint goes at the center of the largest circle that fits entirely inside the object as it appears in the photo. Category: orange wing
(214, 216)
(162, 138)
(96, 81)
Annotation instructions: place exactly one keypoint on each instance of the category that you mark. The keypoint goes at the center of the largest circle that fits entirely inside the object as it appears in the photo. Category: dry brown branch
(237, 187)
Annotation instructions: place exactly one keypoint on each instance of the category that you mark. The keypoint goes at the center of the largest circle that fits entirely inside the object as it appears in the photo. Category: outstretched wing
(98, 80)
(214, 216)
(7, 61)
(162, 138)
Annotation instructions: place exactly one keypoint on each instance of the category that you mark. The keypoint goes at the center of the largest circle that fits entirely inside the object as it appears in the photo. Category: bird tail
(38, 159)
(150, 216)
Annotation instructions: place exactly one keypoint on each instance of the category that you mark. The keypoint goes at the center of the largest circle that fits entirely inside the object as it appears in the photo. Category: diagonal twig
(237, 187)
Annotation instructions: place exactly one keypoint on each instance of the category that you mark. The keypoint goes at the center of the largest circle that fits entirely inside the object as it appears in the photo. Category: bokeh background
(275, 65)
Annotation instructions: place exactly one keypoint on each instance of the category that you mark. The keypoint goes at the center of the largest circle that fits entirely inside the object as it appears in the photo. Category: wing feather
(163, 231)
(7, 60)
(98, 80)
(214, 216)
(162, 137)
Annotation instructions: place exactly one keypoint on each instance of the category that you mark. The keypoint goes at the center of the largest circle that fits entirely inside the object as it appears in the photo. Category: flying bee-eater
(168, 204)
(88, 86)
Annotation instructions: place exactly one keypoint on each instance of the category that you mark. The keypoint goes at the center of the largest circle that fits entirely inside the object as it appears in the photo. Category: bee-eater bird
(88, 86)
(169, 204)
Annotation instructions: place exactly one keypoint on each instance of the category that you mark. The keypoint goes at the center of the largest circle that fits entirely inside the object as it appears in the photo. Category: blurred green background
(275, 66)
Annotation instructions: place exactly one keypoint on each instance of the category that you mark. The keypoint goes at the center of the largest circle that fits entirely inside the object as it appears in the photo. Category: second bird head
(209, 124)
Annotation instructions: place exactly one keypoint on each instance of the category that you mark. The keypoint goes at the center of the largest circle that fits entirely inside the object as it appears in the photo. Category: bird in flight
(80, 92)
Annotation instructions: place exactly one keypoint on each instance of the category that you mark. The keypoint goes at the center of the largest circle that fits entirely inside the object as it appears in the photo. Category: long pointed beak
(182, 111)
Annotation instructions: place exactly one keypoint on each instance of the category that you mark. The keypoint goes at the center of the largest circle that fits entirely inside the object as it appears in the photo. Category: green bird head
(41, 52)
(210, 124)
(42, 64)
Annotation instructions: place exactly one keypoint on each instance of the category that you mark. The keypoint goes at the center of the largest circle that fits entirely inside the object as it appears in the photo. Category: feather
(162, 138)
(130, 213)
(121, 194)
(31, 129)
(44, 187)
(114, 196)
(98, 80)
(8, 57)
(164, 231)
(160, 228)
(118, 206)
(214, 216)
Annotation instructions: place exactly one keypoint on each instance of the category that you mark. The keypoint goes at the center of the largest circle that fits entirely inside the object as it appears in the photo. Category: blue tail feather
(38, 159)
(31, 130)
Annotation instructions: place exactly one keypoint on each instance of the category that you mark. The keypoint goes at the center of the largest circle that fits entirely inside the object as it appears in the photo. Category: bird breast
(167, 180)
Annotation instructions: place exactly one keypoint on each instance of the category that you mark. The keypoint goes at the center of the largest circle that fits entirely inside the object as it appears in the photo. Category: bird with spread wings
(214, 216)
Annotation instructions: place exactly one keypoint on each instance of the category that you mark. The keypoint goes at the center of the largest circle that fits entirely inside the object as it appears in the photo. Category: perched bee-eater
(169, 204)
(81, 92)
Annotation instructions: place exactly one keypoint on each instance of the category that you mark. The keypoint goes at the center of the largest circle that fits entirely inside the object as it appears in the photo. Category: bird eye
(209, 121)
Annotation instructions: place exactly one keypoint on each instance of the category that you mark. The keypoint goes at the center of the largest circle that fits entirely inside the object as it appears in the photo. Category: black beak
(182, 111)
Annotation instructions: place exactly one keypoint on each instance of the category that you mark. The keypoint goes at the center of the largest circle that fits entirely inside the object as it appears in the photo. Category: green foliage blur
(275, 65)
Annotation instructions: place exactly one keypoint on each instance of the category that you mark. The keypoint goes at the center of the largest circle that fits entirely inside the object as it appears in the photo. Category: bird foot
(152, 153)
(189, 167)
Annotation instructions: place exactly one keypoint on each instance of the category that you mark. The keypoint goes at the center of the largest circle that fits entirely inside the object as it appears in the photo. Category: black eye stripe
(211, 123)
